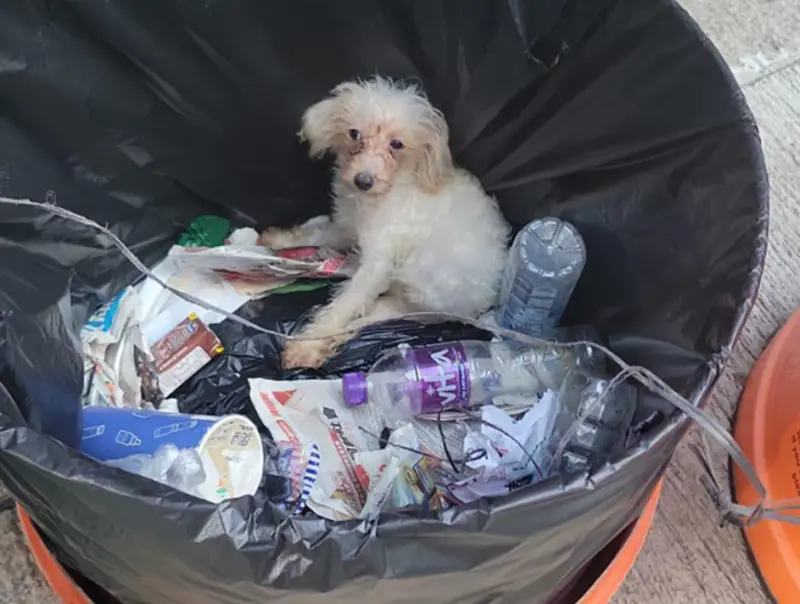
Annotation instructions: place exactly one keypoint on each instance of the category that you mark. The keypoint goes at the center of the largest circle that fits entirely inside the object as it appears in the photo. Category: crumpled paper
(499, 463)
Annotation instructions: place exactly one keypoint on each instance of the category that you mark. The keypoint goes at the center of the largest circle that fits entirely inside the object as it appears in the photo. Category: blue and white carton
(229, 446)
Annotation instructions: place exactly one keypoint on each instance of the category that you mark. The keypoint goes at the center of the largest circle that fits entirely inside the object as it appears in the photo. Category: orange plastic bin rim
(58, 578)
(601, 591)
(768, 431)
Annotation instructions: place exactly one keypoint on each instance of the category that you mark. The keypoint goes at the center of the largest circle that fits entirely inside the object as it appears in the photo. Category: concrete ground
(687, 557)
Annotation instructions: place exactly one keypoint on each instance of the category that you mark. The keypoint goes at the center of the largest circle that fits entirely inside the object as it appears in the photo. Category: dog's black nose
(363, 181)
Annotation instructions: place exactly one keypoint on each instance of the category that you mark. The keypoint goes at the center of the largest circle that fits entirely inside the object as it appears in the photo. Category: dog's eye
(396, 144)
(354, 134)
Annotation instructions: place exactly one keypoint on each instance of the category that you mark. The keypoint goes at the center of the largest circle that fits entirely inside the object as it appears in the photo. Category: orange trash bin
(600, 591)
(768, 431)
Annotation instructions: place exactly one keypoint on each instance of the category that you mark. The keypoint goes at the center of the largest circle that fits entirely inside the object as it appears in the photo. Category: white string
(732, 512)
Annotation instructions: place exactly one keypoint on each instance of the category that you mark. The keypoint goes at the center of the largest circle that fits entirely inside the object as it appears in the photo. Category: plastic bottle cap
(355, 388)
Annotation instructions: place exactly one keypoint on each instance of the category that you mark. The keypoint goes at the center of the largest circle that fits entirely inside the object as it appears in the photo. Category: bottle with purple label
(408, 381)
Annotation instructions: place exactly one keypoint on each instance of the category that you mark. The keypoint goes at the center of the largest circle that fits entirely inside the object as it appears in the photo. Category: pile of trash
(428, 427)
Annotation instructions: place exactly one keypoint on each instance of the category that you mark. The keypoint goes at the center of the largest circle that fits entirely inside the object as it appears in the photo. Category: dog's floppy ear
(324, 124)
(435, 163)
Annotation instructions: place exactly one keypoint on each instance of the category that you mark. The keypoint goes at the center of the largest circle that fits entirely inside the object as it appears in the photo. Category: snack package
(419, 486)
(183, 352)
(408, 478)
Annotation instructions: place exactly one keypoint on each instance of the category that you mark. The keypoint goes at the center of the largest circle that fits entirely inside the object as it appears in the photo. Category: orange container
(58, 578)
(609, 582)
(599, 592)
(768, 430)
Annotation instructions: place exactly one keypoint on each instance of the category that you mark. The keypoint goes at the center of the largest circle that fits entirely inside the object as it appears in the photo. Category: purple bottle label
(442, 375)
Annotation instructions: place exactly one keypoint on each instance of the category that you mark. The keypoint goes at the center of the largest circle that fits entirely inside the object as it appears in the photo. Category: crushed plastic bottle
(181, 469)
(544, 265)
(594, 421)
(408, 381)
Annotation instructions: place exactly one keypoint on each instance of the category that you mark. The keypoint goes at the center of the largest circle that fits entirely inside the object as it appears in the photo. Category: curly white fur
(430, 238)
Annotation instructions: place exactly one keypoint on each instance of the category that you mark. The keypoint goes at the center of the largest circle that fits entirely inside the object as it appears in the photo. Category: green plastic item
(206, 231)
(299, 286)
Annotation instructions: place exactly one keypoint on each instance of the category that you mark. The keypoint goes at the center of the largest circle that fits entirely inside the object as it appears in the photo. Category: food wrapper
(252, 263)
(419, 486)
(116, 358)
(159, 310)
(183, 352)
(108, 323)
(420, 477)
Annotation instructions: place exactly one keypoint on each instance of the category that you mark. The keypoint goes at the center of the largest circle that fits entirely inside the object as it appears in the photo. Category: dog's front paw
(306, 354)
(276, 239)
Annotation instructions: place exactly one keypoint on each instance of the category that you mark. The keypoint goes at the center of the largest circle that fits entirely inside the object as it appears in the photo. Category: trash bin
(595, 585)
(618, 116)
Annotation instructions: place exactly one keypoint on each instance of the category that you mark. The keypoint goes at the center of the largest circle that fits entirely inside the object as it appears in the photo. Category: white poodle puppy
(429, 237)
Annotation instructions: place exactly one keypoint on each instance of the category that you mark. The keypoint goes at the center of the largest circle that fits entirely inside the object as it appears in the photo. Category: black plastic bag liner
(617, 115)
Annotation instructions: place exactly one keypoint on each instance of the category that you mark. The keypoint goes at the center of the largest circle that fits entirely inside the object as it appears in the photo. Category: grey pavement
(687, 557)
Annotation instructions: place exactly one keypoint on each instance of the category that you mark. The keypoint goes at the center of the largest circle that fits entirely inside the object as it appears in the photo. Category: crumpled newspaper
(111, 339)
(119, 368)
(243, 259)
(357, 478)
(351, 461)
(502, 464)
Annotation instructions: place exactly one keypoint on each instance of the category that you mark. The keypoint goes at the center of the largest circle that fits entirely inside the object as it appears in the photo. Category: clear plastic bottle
(181, 469)
(410, 381)
(594, 421)
(544, 264)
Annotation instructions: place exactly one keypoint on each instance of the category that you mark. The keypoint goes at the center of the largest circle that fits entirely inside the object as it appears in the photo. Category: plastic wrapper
(420, 482)
(181, 353)
(143, 116)
(116, 357)
(181, 469)
(255, 261)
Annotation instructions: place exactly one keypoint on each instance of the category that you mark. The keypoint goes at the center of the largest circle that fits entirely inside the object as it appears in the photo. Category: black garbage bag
(221, 387)
(618, 116)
